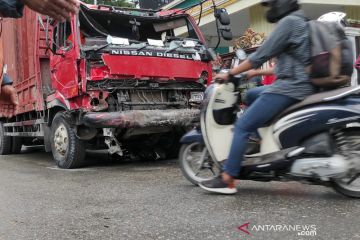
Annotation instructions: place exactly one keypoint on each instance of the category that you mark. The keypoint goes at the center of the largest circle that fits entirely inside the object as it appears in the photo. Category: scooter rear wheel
(196, 164)
(350, 185)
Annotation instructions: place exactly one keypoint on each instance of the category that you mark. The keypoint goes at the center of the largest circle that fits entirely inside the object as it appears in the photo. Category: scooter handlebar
(236, 80)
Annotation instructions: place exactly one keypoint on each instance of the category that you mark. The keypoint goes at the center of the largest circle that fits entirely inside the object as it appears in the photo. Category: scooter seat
(322, 97)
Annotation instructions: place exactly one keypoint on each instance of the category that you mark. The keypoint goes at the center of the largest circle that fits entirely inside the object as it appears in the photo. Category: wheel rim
(198, 163)
(350, 183)
(61, 139)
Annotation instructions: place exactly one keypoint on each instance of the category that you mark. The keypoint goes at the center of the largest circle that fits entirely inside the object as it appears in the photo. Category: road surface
(151, 200)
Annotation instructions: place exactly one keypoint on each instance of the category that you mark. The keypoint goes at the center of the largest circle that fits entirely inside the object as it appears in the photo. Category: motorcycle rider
(290, 44)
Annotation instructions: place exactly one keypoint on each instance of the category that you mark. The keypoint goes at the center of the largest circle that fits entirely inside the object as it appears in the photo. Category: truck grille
(146, 95)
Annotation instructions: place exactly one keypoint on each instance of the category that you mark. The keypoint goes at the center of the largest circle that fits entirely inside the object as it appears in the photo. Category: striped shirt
(290, 44)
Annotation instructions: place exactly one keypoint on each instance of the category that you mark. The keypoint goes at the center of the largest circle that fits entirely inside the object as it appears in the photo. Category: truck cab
(128, 80)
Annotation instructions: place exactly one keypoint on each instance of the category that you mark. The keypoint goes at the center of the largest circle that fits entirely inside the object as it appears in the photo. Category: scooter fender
(218, 131)
(192, 136)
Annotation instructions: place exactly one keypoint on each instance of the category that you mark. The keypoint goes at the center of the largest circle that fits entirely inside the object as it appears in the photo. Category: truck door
(63, 61)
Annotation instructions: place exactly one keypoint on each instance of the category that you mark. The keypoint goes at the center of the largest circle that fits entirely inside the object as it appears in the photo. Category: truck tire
(16, 145)
(68, 151)
(5, 142)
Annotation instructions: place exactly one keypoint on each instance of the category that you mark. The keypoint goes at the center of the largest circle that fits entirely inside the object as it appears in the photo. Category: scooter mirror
(241, 54)
(222, 15)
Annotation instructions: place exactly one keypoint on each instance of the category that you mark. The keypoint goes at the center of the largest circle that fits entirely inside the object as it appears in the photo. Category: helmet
(279, 8)
(336, 17)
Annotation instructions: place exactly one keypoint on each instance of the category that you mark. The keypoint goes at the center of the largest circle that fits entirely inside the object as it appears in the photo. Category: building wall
(353, 12)
(186, 4)
(259, 24)
(257, 21)
(153, 4)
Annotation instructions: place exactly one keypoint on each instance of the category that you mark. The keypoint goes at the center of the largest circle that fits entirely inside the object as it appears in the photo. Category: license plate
(197, 97)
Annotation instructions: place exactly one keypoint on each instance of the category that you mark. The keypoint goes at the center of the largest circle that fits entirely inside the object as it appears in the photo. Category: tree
(118, 3)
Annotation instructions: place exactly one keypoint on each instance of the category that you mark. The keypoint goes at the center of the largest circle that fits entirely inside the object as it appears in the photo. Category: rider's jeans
(254, 93)
(265, 107)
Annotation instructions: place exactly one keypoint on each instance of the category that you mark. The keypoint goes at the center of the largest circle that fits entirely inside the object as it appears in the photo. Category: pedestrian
(357, 63)
(254, 93)
(8, 96)
(290, 44)
(269, 79)
(58, 9)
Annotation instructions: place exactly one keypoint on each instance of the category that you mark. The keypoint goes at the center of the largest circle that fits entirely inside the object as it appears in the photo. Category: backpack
(332, 55)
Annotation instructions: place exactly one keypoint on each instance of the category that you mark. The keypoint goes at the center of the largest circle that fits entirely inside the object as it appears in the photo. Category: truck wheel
(5, 142)
(67, 149)
(16, 145)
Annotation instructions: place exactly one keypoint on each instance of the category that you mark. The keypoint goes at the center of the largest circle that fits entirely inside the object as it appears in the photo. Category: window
(62, 36)
(99, 24)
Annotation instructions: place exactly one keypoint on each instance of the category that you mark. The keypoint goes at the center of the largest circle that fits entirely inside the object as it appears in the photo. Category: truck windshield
(100, 24)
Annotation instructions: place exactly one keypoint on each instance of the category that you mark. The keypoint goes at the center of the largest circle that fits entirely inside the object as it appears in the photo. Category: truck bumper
(141, 118)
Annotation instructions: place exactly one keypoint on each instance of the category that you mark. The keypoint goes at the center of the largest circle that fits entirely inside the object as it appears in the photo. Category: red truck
(126, 80)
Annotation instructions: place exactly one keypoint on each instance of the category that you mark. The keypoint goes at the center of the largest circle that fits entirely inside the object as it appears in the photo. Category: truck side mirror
(222, 15)
(226, 33)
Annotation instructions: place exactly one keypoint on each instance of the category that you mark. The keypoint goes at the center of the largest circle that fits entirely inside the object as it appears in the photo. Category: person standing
(357, 63)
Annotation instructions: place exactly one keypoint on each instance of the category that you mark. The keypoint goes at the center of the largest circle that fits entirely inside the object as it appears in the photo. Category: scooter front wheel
(349, 187)
(196, 164)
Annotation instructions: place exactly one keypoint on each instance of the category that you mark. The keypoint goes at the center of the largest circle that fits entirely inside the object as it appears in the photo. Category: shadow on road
(291, 192)
(255, 190)
(93, 158)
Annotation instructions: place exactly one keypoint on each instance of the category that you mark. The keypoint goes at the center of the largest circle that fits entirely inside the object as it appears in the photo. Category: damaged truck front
(128, 80)
(141, 78)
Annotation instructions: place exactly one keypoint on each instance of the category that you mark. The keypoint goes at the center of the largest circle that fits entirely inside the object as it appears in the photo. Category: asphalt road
(151, 200)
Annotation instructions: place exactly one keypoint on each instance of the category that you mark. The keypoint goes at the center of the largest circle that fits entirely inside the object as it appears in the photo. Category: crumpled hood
(155, 67)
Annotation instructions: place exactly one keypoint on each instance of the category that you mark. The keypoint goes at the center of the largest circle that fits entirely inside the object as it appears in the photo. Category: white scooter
(316, 141)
